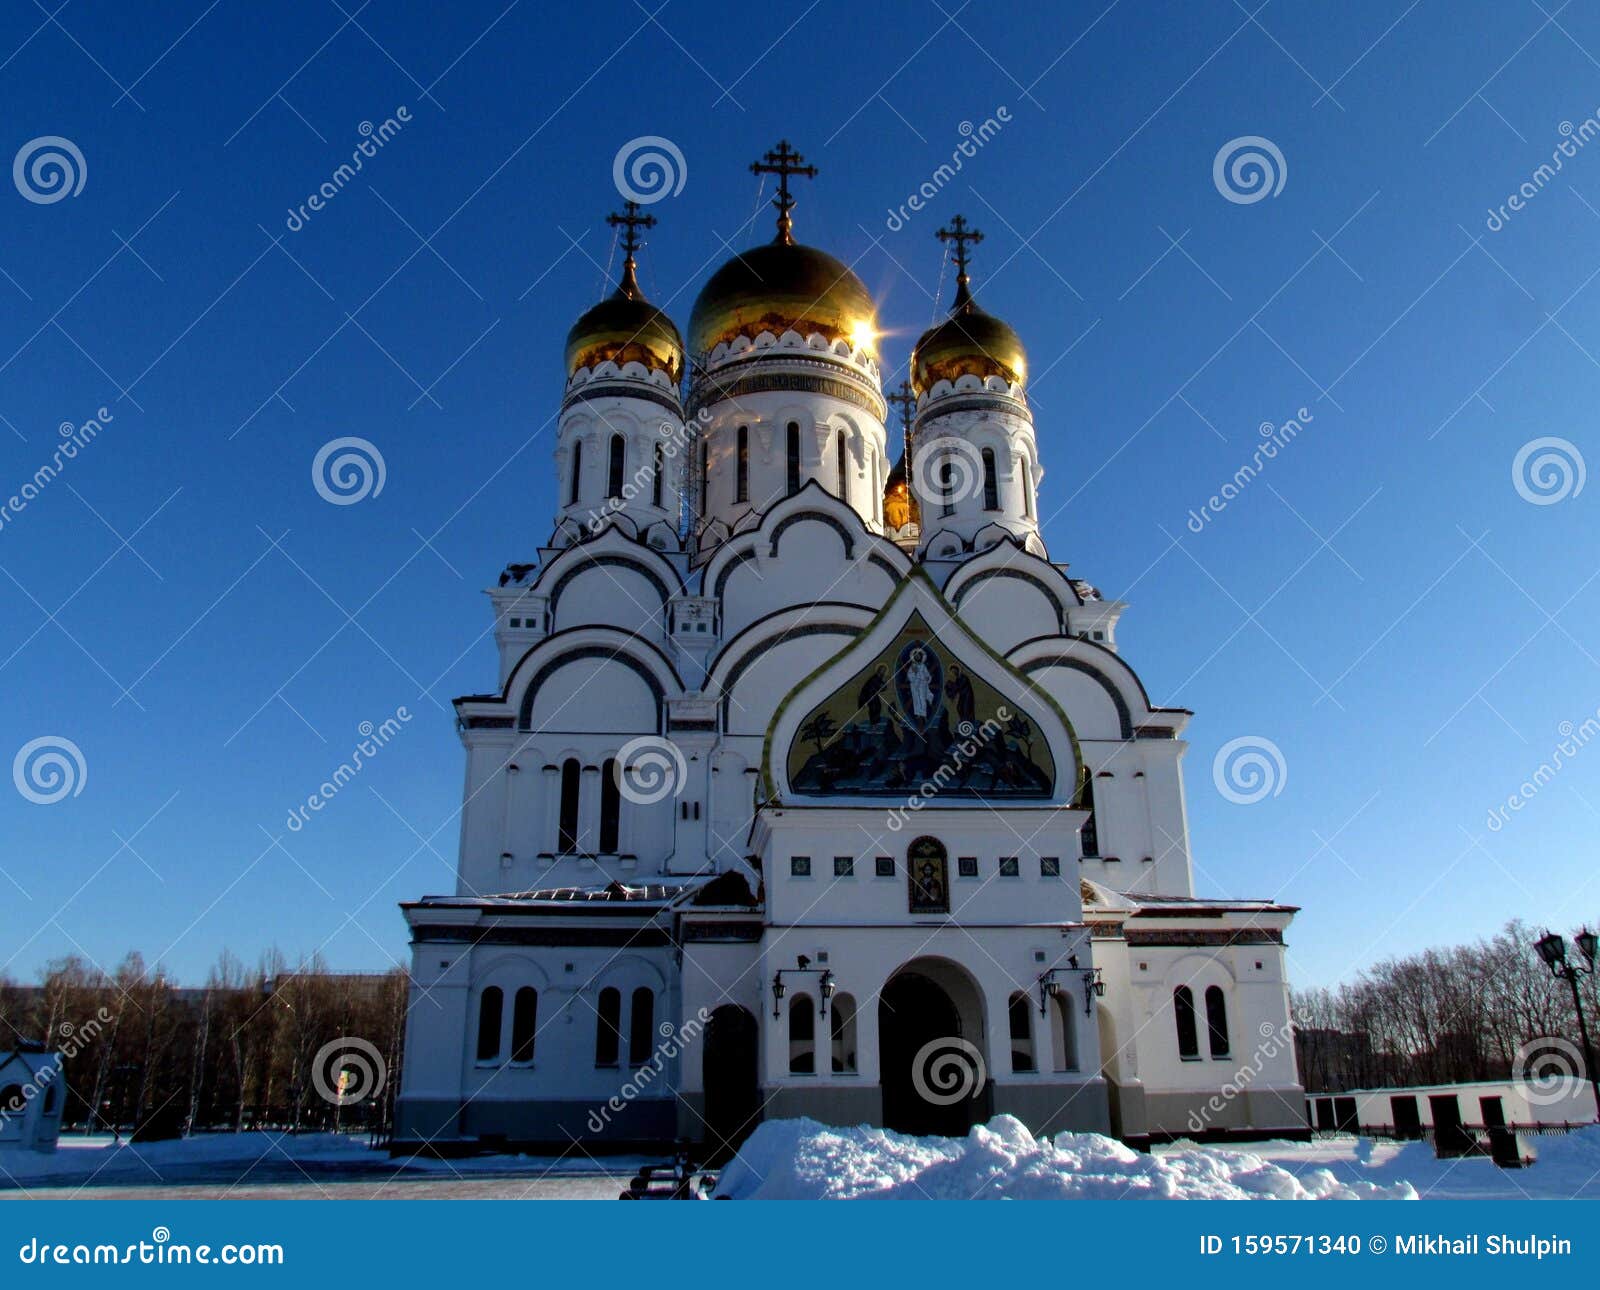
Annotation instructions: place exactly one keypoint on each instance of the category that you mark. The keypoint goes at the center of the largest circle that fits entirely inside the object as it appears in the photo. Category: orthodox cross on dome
(630, 221)
(783, 162)
(960, 234)
(906, 401)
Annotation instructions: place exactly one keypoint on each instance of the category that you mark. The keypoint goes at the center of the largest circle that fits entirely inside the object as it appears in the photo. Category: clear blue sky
(1381, 603)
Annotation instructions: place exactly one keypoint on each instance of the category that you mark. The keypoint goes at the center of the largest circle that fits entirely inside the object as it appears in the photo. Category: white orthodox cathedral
(810, 784)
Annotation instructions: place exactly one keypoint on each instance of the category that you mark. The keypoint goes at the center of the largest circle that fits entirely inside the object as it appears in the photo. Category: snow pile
(804, 1160)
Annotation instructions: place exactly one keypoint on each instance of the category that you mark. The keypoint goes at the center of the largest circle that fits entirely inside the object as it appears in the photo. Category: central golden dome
(778, 287)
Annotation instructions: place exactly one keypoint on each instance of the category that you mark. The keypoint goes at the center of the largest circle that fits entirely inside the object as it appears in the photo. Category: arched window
(1216, 1021)
(741, 466)
(577, 472)
(947, 483)
(1020, 1011)
(1089, 835)
(792, 458)
(490, 1004)
(608, 1027)
(619, 463)
(571, 779)
(1064, 1034)
(1027, 487)
(1188, 1033)
(641, 1026)
(842, 454)
(524, 1023)
(843, 1013)
(610, 807)
(705, 474)
(802, 1035)
(12, 1102)
(991, 482)
(655, 482)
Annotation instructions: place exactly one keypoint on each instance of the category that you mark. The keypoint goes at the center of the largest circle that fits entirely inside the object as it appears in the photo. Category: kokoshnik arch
(810, 783)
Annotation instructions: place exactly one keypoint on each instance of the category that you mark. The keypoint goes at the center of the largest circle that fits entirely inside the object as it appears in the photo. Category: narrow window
(619, 462)
(641, 1026)
(741, 470)
(792, 458)
(802, 1036)
(947, 483)
(610, 807)
(705, 475)
(1027, 488)
(1021, 1016)
(842, 454)
(571, 774)
(1188, 1035)
(843, 1013)
(524, 1023)
(577, 473)
(655, 484)
(991, 482)
(1217, 1021)
(1090, 834)
(490, 1003)
(608, 1027)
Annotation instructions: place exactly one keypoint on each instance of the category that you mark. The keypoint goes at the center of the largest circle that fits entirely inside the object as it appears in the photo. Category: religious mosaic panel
(915, 720)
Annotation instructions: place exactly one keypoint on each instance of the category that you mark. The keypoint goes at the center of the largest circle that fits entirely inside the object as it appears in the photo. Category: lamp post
(825, 982)
(1553, 950)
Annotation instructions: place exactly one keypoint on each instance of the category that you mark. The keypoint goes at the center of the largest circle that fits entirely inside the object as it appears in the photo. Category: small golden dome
(899, 502)
(969, 342)
(626, 328)
(778, 287)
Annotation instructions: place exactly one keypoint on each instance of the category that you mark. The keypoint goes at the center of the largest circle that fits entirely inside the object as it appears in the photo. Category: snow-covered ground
(801, 1159)
(252, 1165)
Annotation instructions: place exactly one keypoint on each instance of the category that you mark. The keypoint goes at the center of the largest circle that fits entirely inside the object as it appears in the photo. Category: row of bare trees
(1439, 1017)
(146, 1057)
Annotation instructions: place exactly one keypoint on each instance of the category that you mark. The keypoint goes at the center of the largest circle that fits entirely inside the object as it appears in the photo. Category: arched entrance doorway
(931, 1051)
(730, 1074)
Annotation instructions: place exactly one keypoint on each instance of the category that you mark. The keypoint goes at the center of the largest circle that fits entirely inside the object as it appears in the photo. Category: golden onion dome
(626, 328)
(969, 342)
(899, 502)
(783, 286)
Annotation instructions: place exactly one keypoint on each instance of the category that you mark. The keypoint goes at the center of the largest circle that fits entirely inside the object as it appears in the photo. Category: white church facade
(809, 783)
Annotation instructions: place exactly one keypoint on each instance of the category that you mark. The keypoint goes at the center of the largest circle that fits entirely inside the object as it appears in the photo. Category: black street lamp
(1553, 950)
(825, 983)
